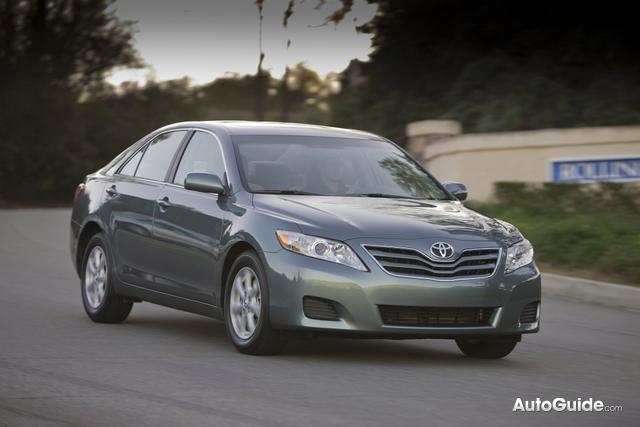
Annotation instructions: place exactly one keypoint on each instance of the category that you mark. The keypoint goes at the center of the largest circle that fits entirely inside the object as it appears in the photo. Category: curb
(591, 291)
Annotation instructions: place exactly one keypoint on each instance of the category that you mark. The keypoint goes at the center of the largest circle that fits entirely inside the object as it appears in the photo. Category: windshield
(331, 167)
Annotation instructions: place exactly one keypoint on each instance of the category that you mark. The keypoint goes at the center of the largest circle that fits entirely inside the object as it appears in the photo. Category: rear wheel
(247, 308)
(100, 301)
(486, 349)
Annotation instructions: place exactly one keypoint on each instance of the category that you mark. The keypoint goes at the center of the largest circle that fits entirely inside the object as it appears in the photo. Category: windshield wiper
(287, 192)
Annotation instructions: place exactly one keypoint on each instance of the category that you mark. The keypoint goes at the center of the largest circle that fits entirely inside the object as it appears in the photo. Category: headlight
(317, 247)
(518, 255)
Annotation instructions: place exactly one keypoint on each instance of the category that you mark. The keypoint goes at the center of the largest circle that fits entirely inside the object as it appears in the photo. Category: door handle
(111, 191)
(163, 203)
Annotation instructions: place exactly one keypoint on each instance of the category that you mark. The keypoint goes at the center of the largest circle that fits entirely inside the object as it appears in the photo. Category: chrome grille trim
(472, 263)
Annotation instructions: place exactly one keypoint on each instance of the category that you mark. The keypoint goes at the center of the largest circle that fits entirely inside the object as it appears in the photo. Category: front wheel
(99, 298)
(247, 308)
(485, 349)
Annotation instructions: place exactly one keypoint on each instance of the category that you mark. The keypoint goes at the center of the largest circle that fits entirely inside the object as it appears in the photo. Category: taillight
(79, 192)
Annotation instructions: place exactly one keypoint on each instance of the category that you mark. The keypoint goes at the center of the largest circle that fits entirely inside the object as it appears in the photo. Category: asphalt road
(163, 367)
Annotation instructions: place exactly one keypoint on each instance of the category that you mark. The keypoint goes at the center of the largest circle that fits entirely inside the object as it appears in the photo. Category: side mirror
(204, 183)
(457, 189)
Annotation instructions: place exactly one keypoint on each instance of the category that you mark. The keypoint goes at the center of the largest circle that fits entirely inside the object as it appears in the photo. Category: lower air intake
(529, 313)
(435, 316)
(319, 308)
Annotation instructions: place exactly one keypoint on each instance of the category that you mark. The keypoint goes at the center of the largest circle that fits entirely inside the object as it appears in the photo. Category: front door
(188, 226)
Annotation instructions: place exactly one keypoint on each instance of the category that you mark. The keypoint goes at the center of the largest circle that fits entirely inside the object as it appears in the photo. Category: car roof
(238, 127)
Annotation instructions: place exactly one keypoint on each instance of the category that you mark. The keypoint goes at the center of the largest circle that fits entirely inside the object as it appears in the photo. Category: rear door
(188, 225)
(132, 200)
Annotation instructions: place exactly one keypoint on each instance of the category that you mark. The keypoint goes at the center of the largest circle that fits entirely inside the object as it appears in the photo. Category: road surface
(163, 367)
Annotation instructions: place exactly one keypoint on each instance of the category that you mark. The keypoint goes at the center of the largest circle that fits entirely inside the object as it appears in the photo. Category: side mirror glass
(204, 183)
(457, 189)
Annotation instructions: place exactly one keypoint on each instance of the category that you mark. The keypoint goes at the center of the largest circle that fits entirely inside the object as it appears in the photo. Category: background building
(479, 160)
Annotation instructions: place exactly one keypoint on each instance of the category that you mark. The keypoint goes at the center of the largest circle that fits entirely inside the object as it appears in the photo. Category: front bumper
(358, 294)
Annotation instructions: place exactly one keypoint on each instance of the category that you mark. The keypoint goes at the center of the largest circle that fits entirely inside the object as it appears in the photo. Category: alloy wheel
(245, 303)
(95, 277)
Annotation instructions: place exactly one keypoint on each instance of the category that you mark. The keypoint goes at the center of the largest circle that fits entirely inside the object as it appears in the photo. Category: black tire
(264, 340)
(485, 349)
(112, 308)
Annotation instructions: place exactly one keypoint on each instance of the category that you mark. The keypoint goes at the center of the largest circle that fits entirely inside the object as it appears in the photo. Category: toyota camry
(286, 230)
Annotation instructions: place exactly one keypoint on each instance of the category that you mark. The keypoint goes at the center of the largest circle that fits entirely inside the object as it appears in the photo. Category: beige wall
(480, 160)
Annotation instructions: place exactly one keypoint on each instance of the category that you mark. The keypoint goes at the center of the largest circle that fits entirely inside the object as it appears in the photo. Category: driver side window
(201, 155)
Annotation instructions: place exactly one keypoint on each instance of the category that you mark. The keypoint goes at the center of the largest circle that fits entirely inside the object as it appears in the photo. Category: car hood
(345, 218)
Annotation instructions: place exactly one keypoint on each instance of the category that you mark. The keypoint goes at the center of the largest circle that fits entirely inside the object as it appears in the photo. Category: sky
(205, 39)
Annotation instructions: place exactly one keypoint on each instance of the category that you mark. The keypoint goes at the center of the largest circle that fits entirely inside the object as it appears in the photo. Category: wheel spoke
(237, 286)
(254, 307)
(89, 286)
(96, 259)
(251, 323)
(243, 323)
(91, 266)
(236, 308)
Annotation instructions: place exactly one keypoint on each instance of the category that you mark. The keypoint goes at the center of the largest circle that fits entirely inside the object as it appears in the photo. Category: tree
(52, 52)
(261, 81)
(497, 65)
(66, 43)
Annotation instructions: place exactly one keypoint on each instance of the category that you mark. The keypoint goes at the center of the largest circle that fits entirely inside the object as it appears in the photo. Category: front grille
(410, 262)
(529, 313)
(397, 315)
(319, 308)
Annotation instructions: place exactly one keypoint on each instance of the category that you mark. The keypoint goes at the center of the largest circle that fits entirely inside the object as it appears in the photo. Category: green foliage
(576, 228)
(496, 65)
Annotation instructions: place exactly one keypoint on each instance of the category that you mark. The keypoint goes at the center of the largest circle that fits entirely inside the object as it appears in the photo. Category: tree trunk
(260, 91)
(285, 96)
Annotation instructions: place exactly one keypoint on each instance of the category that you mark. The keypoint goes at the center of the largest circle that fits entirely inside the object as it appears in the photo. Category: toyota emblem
(442, 250)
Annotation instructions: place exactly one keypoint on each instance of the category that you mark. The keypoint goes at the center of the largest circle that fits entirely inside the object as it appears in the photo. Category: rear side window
(130, 168)
(111, 168)
(158, 155)
(202, 155)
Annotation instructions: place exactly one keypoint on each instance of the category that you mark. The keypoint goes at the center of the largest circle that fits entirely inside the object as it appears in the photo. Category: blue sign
(593, 170)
